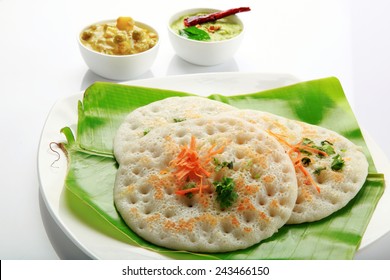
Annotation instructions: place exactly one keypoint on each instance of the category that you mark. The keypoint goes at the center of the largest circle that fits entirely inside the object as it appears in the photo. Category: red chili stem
(194, 20)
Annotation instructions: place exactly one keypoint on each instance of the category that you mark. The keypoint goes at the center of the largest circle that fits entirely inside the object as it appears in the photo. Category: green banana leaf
(92, 167)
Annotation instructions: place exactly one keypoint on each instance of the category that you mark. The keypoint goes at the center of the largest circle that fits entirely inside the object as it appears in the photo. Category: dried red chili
(194, 20)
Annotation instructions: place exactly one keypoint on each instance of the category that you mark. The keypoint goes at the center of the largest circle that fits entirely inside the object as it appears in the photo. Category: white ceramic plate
(96, 244)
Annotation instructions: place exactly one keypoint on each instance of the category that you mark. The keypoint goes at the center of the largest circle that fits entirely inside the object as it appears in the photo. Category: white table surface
(40, 63)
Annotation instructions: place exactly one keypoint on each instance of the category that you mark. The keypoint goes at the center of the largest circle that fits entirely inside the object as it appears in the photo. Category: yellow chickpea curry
(121, 38)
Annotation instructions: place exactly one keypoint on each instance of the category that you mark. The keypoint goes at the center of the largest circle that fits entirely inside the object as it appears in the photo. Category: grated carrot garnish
(310, 149)
(191, 190)
(190, 167)
(297, 148)
(309, 177)
(280, 138)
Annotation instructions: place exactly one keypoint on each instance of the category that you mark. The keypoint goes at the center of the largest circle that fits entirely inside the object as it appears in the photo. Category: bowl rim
(117, 56)
(203, 9)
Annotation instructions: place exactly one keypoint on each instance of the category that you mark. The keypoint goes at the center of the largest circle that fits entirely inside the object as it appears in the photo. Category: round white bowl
(200, 52)
(119, 67)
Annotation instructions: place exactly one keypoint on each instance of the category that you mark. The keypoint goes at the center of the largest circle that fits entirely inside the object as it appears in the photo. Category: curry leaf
(194, 33)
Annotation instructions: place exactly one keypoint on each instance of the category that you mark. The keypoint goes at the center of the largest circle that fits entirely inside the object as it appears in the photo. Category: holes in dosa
(226, 226)
(132, 198)
(169, 213)
(148, 209)
(262, 200)
(242, 138)
(250, 216)
(145, 188)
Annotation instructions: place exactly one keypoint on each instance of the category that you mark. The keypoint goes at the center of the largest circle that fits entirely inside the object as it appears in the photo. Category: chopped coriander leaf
(249, 164)
(337, 163)
(328, 150)
(176, 120)
(219, 165)
(146, 131)
(326, 142)
(318, 170)
(305, 152)
(327, 147)
(226, 194)
(307, 141)
(229, 165)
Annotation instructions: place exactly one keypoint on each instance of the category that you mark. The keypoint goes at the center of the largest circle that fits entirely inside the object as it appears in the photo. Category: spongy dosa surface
(337, 188)
(264, 176)
(159, 113)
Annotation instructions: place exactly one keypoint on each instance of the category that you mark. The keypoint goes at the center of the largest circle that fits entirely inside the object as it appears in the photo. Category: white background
(40, 63)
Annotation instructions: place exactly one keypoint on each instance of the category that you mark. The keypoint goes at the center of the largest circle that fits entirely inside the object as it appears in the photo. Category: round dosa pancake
(170, 110)
(325, 189)
(151, 181)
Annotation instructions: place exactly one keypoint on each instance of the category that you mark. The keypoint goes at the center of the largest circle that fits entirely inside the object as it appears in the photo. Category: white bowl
(201, 52)
(119, 67)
